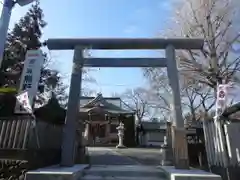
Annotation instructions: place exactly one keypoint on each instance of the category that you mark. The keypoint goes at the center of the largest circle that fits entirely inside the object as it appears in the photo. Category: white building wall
(152, 138)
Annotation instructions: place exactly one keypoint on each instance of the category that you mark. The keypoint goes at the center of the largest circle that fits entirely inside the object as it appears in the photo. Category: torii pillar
(78, 45)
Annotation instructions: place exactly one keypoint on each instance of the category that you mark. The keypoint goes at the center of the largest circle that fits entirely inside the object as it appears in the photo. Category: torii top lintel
(123, 43)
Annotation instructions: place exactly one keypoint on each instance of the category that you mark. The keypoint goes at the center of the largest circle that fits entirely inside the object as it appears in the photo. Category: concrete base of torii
(188, 174)
(121, 147)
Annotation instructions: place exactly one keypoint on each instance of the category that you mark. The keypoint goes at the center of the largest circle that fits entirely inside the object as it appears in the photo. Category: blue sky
(103, 18)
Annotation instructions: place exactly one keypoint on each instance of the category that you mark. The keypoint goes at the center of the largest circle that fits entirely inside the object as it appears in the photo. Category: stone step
(91, 177)
(125, 171)
(57, 172)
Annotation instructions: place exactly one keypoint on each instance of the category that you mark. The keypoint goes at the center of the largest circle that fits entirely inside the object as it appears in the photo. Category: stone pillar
(87, 133)
(120, 129)
(69, 133)
(166, 148)
(90, 135)
(179, 135)
(108, 132)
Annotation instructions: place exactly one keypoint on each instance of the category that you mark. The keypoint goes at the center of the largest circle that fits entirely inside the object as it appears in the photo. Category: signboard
(24, 103)
(221, 102)
(31, 75)
(221, 95)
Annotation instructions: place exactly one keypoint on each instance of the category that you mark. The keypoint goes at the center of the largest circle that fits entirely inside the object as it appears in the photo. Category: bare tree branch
(137, 99)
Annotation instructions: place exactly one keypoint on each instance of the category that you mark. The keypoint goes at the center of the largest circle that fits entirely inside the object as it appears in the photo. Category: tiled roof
(102, 104)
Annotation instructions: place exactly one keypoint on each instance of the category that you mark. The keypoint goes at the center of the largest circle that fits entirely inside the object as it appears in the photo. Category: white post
(4, 24)
(120, 129)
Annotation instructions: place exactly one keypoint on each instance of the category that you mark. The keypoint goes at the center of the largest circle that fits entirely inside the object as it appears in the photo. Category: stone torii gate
(79, 45)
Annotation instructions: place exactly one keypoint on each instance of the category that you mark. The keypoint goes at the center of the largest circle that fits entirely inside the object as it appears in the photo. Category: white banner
(24, 103)
(31, 75)
(221, 95)
(221, 102)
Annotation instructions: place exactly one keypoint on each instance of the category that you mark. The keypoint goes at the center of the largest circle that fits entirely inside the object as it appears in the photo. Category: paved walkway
(109, 164)
(144, 156)
(107, 156)
(124, 172)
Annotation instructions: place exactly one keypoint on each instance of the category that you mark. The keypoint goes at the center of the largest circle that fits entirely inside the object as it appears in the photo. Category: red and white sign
(221, 96)
(221, 92)
(24, 103)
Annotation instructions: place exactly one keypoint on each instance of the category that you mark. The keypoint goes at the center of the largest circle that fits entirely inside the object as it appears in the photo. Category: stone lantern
(120, 129)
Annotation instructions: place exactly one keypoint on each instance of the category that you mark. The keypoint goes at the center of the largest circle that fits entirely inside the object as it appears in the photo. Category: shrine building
(101, 117)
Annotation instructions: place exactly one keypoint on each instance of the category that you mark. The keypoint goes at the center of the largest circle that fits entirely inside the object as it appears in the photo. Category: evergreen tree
(26, 35)
(54, 88)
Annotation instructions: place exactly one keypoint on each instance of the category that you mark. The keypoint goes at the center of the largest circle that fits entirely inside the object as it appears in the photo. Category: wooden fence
(14, 132)
(21, 138)
(19, 133)
(222, 146)
(23, 148)
(222, 143)
(49, 136)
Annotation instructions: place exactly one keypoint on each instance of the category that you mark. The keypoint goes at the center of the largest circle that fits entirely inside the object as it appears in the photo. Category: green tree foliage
(26, 35)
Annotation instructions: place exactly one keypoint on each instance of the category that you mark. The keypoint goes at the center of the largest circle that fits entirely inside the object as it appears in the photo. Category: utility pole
(5, 19)
(4, 23)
